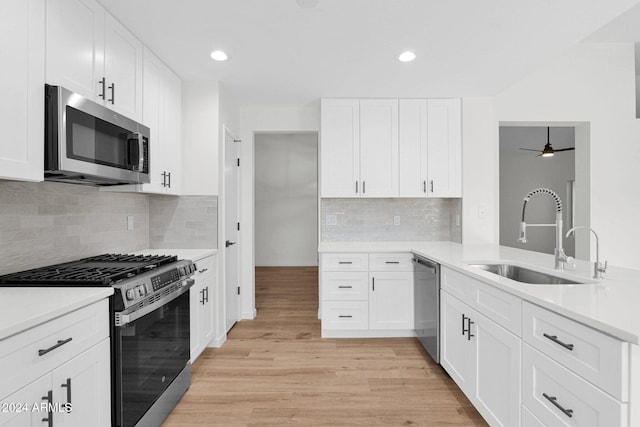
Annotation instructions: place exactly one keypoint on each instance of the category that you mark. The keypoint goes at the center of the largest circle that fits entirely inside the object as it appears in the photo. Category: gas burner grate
(100, 270)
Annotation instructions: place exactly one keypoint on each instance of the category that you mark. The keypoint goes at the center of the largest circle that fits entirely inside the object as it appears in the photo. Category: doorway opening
(524, 168)
(286, 199)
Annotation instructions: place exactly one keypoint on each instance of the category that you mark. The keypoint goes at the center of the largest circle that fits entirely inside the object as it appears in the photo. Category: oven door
(151, 352)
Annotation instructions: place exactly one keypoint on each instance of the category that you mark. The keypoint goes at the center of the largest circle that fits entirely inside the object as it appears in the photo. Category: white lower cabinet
(201, 302)
(559, 397)
(365, 294)
(483, 358)
(59, 372)
(391, 300)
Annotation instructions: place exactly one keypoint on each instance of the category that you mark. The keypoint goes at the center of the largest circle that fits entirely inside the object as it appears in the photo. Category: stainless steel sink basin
(525, 275)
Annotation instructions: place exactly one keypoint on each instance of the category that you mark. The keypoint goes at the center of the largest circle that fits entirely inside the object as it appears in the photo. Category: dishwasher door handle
(424, 264)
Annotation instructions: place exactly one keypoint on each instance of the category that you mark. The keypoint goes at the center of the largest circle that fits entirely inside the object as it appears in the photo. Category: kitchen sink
(525, 275)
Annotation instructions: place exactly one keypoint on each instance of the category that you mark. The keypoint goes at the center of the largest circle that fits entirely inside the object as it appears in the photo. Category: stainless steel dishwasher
(427, 304)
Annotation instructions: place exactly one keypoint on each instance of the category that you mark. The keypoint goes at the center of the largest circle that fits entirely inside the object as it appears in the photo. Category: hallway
(276, 370)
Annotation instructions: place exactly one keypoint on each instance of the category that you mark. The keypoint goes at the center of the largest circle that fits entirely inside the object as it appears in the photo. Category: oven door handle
(123, 318)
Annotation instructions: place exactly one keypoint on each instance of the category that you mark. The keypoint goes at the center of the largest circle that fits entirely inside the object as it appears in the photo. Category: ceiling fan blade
(565, 149)
(529, 149)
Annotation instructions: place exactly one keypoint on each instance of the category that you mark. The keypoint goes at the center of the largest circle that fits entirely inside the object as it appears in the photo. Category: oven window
(93, 140)
(153, 351)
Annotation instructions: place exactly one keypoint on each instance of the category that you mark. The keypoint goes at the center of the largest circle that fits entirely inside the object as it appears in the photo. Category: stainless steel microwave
(86, 143)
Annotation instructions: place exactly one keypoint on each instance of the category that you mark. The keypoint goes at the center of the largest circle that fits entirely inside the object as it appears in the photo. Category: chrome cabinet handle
(113, 94)
(431, 184)
(202, 294)
(164, 179)
(469, 334)
(344, 316)
(345, 262)
(345, 287)
(53, 347)
(555, 339)
(373, 283)
(102, 82)
(356, 187)
(169, 176)
(554, 402)
(229, 243)
(67, 384)
(464, 331)
(392, 262)
(364, 189)
(424, 186)
(49, 399)
(203, 270)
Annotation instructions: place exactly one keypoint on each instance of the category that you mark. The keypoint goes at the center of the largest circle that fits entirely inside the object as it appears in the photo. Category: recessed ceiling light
(218, 55)
(407, 56)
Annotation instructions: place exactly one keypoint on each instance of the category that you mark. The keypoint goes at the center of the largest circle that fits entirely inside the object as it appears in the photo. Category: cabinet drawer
(344, 286)
(390, 262)
(597, 357)
(345, 315)
(558, 397)
(24, 357)
(499, 306)
(344, 262)
(206, 267)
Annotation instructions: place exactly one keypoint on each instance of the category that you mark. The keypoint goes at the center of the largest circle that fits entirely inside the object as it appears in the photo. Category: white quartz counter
(24, 308)
(610, 305)
(191, 254)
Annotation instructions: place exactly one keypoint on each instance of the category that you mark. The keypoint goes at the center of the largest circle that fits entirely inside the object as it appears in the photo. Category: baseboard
(355, 333)
(249, 315)
(218, 341)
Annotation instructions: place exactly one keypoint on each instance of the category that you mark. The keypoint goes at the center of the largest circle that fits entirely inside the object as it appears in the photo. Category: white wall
(200, 111)
(479, 171)
(593, 83)
(252, 120)
(286, 199)
(522, 171)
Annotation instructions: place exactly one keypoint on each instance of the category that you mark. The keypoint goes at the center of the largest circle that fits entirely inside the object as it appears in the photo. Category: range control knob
(131, 294)
(142, 291)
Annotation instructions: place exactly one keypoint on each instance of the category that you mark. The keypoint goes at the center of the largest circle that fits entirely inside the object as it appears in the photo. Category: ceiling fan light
(547, 154)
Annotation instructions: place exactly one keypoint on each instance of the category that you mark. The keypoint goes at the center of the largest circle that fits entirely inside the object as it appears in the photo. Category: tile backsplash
(183, 222)
(373, 220)
(46, 223)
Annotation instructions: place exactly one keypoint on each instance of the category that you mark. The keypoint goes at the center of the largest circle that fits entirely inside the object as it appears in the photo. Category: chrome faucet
(598, 268)
(559, 256)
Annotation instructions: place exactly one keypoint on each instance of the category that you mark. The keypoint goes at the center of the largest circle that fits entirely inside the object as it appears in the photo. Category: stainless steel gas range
(149, 327)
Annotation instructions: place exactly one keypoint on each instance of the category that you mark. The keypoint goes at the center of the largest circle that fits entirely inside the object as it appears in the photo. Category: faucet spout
(559, 256)
(598, 268)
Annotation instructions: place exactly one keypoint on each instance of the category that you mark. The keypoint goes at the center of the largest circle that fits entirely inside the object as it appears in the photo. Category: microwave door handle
(136, 159)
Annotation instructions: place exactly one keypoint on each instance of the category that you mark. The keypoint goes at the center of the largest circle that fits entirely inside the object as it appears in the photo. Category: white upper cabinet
(379, 147)
(340, 148)
(430, 150)
(92, 54)
(391, 148)
(444, 148)
(162, 114)
(22, 101)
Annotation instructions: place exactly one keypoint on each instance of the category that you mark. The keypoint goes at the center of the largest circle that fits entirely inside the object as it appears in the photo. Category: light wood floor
(277, 371)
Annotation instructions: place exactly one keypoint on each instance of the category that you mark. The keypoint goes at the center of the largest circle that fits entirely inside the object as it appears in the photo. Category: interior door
(231, 232)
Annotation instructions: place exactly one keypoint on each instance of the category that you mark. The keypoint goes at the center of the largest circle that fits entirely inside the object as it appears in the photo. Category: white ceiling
(285, 55)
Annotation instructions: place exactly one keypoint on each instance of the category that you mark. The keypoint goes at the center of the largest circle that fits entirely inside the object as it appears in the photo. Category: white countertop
(191, 254)
(610, 305)
(24, 308)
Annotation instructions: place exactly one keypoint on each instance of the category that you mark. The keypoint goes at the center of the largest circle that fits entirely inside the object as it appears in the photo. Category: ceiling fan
(548, 150)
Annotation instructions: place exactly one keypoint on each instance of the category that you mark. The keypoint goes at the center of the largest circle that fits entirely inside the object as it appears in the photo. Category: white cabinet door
(171, 150)
(340, 148)
(22, 102)
(201, 314)
(391, 300)
(85, 383)
(379, 147)
(17, 409)
(75, 46)
(444, 157)
(412, 147)
(497, 372)
(152, 111)
(455, 354)
(122, 69)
